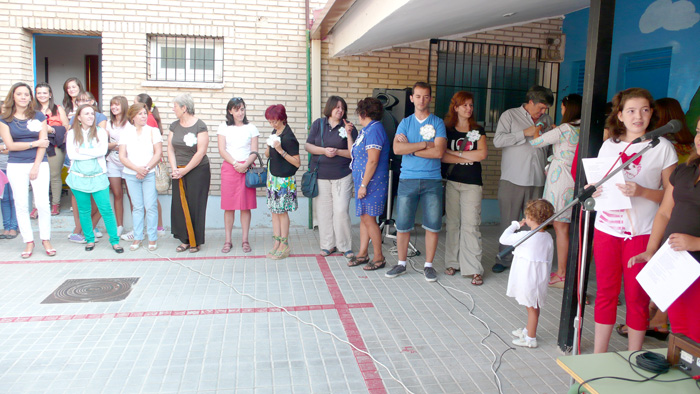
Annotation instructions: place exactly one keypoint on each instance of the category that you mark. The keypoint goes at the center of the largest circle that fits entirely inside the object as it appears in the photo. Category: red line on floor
(191, 312)
(54, 261)
(374, 383)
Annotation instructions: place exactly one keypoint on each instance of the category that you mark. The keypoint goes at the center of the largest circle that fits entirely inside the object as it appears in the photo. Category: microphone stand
(588, 204)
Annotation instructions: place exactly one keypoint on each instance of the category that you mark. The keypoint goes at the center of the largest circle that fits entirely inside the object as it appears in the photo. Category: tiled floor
(185, 327)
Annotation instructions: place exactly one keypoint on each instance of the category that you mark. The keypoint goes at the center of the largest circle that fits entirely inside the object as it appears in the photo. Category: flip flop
(326, 252)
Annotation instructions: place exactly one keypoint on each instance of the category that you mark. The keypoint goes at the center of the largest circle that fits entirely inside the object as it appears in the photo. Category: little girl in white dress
(532, 263)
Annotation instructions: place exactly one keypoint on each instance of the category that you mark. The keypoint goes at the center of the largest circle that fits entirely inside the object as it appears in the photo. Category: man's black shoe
(498, 268)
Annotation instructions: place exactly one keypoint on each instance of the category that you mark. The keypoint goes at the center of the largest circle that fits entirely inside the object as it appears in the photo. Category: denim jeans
(9, 217)
(427, 192)
(144, 197)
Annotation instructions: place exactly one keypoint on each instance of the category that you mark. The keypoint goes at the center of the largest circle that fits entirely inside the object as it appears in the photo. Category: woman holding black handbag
(283, 151)
(329, 142)
(238, 141)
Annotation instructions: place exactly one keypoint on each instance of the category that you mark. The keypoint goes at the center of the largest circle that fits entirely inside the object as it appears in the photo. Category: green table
(588, 366)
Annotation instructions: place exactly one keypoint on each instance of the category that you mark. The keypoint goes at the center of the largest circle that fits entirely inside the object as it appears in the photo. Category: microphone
(671, 127)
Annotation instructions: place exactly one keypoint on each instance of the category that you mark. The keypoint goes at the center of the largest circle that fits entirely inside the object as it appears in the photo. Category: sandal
(349, 254)
(89, 247)
(227, 247)
(25, 254)
(272, 251)
(621, 330)
(358, 260)
(182, 248)
(375, 265)
(554, 279)
(326, 252)
(55, 209)
(451, 271)
(284, 251)
(34, 214)
(117, 248)
(246, 247)
(49, 252)
(477, 280)
(194, 249)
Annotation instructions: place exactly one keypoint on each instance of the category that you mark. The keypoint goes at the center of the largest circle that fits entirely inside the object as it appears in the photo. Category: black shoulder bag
(309, 181)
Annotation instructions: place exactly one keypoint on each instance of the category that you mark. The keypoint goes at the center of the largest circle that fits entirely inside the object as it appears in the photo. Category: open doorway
(59, 57)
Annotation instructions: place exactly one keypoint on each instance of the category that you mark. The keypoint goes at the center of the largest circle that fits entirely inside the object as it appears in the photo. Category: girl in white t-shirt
(621, 234)
(237, 140)
(116, 123)
(140, 149)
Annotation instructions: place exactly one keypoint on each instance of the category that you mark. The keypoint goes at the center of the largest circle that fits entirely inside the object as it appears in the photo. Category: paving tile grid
(182, 331)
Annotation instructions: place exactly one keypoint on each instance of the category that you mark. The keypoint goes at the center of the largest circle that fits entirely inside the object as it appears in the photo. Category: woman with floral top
(559, 186)
(466, 148)
(328, 143)
(283, 151)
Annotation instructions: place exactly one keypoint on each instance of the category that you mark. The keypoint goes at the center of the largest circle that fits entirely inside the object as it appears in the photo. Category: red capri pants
(684, 314)
(611, 256)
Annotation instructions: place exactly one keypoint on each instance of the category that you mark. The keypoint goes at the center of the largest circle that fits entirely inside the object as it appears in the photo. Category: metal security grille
(498, 76)
(185, 59)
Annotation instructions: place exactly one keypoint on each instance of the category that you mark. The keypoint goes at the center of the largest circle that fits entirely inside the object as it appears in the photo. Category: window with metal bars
(185, 59)
(497, 75)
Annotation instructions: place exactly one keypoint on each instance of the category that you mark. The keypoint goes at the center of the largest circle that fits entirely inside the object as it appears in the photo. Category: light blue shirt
(415, 167)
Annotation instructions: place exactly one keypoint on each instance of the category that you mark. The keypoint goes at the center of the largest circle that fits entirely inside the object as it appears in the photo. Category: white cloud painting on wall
(669, 15)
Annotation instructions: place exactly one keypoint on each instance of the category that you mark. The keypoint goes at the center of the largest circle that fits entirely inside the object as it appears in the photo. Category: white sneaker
(531, 343)
(128, 236)
(120, 229)
(97, 232)
(161, 231)
(519, 333)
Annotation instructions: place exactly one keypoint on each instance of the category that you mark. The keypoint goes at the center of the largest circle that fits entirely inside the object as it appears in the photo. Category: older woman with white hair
(187, 148)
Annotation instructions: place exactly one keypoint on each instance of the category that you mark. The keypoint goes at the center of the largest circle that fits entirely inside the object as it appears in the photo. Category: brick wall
(354, 77)
(264, 57)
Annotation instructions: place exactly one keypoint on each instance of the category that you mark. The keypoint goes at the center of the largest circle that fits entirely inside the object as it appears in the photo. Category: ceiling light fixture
(509, 14)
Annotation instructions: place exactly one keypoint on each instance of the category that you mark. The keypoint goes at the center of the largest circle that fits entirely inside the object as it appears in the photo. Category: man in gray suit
(522, 166)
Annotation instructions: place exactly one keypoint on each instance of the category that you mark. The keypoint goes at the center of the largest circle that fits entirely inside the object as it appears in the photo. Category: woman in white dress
(559, 186)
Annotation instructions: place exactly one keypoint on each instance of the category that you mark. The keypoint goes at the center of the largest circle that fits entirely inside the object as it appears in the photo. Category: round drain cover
(92, 290)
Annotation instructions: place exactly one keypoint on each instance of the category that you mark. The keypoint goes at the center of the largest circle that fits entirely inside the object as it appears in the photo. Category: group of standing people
(663, 198)
(104, 154)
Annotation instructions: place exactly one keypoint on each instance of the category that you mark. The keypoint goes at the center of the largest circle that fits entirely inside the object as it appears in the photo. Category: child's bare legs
(533, 317)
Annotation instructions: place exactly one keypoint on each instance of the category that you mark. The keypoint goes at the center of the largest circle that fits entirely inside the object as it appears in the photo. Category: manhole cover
(91, 290)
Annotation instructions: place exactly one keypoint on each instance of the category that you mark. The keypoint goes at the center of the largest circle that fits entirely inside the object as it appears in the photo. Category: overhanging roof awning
(360, 26)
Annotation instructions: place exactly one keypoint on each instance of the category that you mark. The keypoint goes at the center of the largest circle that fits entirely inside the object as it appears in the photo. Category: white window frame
(159, 70)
